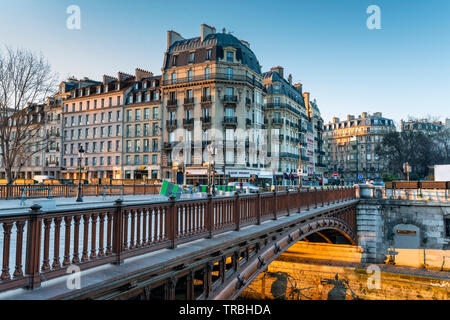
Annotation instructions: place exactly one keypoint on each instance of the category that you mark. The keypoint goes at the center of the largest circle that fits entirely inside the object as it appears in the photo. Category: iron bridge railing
(41, 245)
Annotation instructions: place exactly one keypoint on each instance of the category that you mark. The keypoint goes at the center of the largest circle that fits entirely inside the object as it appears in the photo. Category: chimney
(350, 117)
(205, 30)
(298, 87)
(245, 43)
(279, 70)
(173, 36)
(377, 114)
(335, 120)
(290, 79)
(364, 115)
(307, 104)
(108, 79)
(140, 74)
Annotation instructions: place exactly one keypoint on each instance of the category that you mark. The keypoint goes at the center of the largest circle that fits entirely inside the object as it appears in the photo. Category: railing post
(32, 261)
(287, 202)
(118, 232)
(237, 210)
(299, 193)
(315, 197)
(209, 218)
(172, 227)
(275, 205)
(258, 207)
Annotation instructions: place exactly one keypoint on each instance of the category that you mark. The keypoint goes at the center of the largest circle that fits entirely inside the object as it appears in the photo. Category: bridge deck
(109, 274)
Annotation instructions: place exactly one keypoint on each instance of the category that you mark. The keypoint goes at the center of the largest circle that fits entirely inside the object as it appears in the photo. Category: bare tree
(26, 80)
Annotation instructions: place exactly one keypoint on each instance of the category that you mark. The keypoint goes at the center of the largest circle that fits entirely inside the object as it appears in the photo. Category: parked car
(244, 186)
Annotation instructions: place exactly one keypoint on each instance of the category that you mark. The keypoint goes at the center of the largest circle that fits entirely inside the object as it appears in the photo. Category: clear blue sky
(402, 69)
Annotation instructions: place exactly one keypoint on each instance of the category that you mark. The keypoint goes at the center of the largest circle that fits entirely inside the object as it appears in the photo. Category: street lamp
(80, 157)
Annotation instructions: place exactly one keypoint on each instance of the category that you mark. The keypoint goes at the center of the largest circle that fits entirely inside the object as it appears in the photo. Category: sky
(401, 69)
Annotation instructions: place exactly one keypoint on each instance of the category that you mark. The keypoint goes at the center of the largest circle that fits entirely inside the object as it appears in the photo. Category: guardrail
(417, 185)
(10, 192)
(111, 233)
(25, 196)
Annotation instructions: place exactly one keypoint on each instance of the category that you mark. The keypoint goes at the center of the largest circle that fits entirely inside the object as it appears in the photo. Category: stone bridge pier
(402, 232)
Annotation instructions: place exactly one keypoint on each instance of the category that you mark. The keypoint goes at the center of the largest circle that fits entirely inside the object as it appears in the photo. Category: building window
(447, 227)
(190, 75)
(145, 159)
(137, 116)
(229, 56)
(207, 73)
(191, 57)
(229, 73)
(146, 114)
(154, 159)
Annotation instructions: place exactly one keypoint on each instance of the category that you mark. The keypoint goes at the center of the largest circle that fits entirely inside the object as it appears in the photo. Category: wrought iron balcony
(277, 121)
(171, 124)
(189, 101)
(229, 99)
(172, 103)
(206, 99)
(188, 122)
(230, 120)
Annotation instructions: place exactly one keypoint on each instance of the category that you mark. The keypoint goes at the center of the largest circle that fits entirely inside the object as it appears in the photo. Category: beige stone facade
(212, 93)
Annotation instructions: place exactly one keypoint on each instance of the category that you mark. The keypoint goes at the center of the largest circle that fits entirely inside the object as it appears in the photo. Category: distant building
(296, 121)
(422, 125)
(351, 147)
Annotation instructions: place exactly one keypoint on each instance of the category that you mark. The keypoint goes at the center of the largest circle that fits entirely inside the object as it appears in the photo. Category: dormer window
(174, 60)
(136, 86)
(87, 91)
(118, 86)
(208, 54)
(139, 98)
(191, 57)
(80, 93)
(144, 85)
(98, 89)
(106, 88)
(130, 99)
(73, 94)
(153, 83)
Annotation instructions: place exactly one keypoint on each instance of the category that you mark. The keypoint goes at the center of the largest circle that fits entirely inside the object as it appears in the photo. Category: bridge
(209, 248)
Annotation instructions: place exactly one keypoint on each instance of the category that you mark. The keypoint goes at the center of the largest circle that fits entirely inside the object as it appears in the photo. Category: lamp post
(80, 157)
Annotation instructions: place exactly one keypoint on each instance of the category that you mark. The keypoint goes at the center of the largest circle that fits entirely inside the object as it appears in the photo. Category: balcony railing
(188, 122)
(172, 103)
(188, 101)
(215, 77)
(229, 98)
(206, 99)
(278, 121)
(171, 123)
(230, 120)
(206, 119)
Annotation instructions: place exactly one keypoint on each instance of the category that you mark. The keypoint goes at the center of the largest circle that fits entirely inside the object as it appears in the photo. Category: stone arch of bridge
(322, 230)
